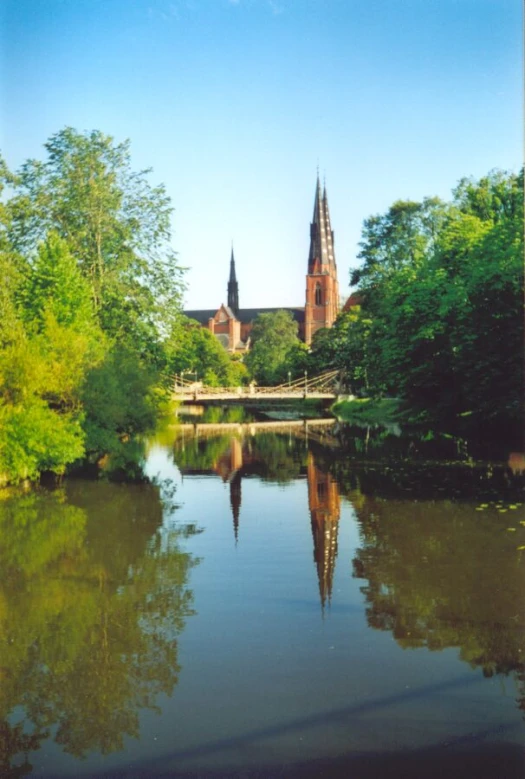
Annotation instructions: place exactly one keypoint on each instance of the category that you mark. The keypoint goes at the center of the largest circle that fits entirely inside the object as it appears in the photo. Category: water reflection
(280, 457)
(95, 594)
(324, 507)
(442, 575)
(440, 569)
(92, 598)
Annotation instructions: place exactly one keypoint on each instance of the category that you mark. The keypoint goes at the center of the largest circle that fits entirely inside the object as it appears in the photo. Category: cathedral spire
(321, 253)
(329, 231)
(322, 290)
(233, 287)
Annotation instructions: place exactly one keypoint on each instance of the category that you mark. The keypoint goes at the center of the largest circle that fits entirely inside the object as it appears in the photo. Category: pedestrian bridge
(322, 387)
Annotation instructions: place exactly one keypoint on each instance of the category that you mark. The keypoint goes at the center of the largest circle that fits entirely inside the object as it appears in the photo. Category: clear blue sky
(234, 102)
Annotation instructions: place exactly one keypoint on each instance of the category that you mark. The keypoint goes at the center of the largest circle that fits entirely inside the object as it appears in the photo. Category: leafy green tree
(442, 290)
(116, 225)
(54, 285)
(489, 329)
(402, 237)
(53, 342)
(495, 197)
(274, 348)
(344, 347)
(118, 400)
(10, 268)
(90, 289)
(197, 352)
(33, 438)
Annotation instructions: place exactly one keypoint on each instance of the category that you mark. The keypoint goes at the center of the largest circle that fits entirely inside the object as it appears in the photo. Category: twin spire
(321, 235)
(321, 258)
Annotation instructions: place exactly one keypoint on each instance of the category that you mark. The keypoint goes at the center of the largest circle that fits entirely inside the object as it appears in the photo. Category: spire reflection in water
(274, 452)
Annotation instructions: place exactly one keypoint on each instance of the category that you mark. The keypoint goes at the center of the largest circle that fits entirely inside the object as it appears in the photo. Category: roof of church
(355, 299)
(244, 315)
(201, 316)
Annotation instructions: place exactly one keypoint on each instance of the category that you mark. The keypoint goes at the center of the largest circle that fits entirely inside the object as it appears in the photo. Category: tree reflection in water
(441, 567)
(439, 574)
(93, 596)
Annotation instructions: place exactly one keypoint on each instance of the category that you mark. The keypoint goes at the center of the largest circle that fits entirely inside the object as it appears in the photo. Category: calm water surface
(299, 600)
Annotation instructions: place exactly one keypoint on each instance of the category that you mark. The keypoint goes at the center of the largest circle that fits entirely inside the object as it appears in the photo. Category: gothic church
(232, 324)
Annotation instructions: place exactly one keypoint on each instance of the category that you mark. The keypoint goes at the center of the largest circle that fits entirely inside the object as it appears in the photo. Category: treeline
(90, 307)
(91, 329)
(437, 319)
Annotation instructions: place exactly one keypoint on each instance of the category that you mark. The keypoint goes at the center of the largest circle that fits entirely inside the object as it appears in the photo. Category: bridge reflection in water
(230, 451)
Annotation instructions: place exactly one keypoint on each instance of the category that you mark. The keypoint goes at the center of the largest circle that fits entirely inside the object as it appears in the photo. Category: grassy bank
(370, 411)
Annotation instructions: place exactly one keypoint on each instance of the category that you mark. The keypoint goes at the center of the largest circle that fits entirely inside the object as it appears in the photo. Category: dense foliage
(440, 320)
(196, 352)
(90, 290)
(91, 329)
(276, 352)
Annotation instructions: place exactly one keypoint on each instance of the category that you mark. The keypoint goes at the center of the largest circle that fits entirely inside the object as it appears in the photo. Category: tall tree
(442, 286)
(117, 227)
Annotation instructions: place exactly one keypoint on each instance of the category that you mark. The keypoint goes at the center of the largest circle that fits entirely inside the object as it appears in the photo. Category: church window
(318, 295)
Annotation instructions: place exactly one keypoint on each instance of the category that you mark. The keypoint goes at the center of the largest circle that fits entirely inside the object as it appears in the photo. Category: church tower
(233, 288)
(322, 289)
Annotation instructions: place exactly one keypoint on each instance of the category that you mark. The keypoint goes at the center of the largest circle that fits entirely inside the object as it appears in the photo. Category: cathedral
(232, 324)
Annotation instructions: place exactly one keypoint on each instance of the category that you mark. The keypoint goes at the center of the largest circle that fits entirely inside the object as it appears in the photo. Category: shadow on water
(493, 761)
(463, 756)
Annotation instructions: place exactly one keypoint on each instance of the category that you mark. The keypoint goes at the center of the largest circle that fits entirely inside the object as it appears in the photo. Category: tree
(197, 352)
(442, 289)
(344, 347)
(53, 341)
(402, 237)
(274, 348)
(90, 289)
(116, 225)
(55, 286)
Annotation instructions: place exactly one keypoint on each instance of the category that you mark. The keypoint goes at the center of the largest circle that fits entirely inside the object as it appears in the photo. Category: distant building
(232, 325)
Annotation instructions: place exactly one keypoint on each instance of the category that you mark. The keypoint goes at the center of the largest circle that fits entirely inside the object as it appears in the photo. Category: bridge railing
(322, 384)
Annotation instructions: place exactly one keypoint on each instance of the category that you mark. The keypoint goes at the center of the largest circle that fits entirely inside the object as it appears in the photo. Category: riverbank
(370, 411)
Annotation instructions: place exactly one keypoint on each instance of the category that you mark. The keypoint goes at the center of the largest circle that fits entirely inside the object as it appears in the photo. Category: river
(286, 600)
